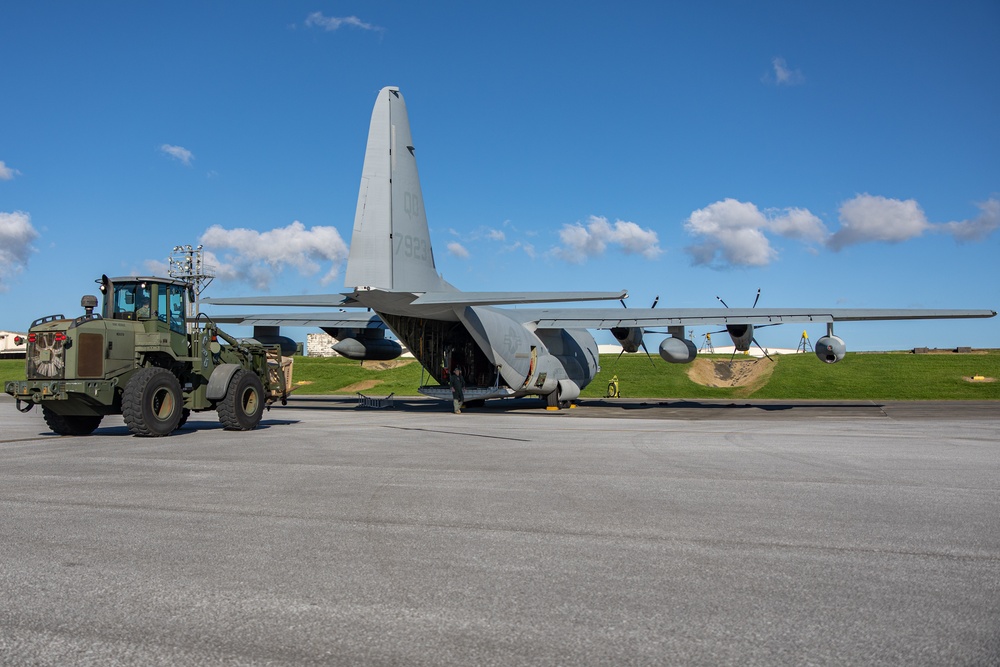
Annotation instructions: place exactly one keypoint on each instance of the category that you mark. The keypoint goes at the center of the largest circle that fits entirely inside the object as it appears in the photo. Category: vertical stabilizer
(390, 244)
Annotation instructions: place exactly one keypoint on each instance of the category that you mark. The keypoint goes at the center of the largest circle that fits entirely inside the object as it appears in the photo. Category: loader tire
(152, 403)
(243, 406)
(71, 424)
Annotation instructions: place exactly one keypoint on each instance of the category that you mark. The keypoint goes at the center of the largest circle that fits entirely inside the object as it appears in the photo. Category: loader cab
(147, 300)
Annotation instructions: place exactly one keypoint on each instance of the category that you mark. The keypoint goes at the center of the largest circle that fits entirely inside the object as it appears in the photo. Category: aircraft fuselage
(499, 355)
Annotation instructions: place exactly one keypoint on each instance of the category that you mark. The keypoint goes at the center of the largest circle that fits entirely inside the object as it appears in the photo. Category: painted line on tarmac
(465, 433)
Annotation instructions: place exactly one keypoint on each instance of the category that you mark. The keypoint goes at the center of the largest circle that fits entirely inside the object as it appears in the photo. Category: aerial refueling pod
(368, 349)
(364, 344)
(677, 350)
(830, 349)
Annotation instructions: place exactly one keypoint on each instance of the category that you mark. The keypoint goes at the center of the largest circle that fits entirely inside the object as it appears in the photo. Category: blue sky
(831, 154)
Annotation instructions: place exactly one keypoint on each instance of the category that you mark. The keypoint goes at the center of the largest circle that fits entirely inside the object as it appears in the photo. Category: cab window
(177, 308)
(131, 301)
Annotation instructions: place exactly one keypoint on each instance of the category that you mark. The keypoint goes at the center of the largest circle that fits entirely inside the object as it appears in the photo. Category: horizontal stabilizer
(304, 300)
(501, 298)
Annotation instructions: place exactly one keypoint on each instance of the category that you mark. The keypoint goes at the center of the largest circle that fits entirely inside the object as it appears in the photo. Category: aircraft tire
(243, 406)
(151, 403)
(71, 424)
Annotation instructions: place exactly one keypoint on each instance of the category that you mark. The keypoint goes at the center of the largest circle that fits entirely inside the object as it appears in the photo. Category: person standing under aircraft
(457, 389)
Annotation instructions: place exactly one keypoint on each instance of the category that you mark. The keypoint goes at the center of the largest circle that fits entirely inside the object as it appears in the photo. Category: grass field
(887, 376)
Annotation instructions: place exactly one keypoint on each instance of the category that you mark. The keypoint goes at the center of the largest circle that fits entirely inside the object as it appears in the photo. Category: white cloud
(798, 223)
(255, 257)
(7, 173)
(178, 153)
(977, 229)
(331, 23)
(869, 218)
(458, 250)
(732, 232)
(735, 233)
(496, 235)
(784, 75)
(155, 267)
(579, 242)
(16, 235)
(527, 248)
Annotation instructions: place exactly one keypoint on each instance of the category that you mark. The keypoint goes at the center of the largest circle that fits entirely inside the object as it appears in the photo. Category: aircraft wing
(331, 319)
(445, 298)
(608, 318)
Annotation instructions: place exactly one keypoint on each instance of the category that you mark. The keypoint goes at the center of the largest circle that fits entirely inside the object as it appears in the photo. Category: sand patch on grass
(364, 385)
(386, 365)
(749, 373)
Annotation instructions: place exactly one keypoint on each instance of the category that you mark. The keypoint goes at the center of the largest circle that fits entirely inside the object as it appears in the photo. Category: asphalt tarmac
(617, 533)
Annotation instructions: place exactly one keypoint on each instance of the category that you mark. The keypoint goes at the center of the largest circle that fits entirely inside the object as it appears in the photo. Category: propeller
(753, 339)
(641, 331)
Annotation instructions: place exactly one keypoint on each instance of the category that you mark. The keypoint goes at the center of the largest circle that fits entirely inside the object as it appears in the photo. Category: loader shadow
(192, 427)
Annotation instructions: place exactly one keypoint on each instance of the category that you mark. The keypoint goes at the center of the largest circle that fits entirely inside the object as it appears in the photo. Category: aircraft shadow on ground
(769, 407)
(421, 405)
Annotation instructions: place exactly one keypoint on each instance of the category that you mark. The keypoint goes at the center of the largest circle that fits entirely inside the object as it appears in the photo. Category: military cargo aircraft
(503, 352)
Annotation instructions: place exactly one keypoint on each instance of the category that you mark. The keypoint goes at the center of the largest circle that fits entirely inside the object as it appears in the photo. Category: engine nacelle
(678, 350)
(742, 335)
(368, 349)
(267, 335)
(630, 338)
(830, 349)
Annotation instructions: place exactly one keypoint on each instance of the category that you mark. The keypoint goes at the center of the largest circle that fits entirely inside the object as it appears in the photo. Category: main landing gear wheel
(243, 406)
(151, 403)
(71, 424)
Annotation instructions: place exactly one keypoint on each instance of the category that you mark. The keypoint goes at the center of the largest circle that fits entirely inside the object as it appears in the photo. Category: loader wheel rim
(249, 401)
(163, 403)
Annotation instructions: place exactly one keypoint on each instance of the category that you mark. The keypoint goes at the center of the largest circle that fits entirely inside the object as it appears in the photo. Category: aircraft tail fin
(390, 244)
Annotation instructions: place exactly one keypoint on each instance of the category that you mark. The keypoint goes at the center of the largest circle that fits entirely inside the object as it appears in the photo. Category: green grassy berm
(884, 376)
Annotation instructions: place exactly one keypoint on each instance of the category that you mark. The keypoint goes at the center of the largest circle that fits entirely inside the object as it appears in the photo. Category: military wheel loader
(141, 358)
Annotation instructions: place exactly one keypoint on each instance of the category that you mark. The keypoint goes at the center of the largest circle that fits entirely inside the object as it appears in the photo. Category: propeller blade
(757, 299)
(648, 354)
(617, 358)
(721, 301)
(622, 301)
(655, 301)
(762, 350)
